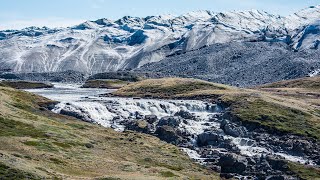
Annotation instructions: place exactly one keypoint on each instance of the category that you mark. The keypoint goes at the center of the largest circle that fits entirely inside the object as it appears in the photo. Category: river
(117, 113)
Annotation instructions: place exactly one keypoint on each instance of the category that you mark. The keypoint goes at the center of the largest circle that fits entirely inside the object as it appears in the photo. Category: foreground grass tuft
(7, 172)
(11, 127)
(304, 172)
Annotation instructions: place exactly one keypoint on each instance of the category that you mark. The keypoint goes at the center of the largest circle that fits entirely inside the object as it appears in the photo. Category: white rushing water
(113, 111)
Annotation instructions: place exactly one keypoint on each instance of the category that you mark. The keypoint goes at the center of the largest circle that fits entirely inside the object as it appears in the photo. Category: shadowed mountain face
(240, 64)
(130, 42)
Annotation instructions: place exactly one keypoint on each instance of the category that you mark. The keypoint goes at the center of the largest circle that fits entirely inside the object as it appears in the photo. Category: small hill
(172, 88)
(25, 84)
(307, 82)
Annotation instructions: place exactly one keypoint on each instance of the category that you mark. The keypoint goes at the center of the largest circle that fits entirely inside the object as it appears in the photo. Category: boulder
(173, 121)
(208, 138)
(233, 163)
(185, 115)
(138, 115)
(151, 118)
(277, 177)
(70, 111)
(168, 134)
(233, 129)
(139, 126)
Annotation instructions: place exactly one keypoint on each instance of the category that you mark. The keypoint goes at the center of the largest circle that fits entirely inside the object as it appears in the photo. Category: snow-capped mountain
(131, 42)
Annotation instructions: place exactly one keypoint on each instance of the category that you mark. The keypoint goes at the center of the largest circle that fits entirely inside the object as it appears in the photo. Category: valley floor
(282, 118)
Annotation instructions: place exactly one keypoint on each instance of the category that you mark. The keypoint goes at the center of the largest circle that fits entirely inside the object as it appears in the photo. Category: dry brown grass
(172, 88)
(305, 83)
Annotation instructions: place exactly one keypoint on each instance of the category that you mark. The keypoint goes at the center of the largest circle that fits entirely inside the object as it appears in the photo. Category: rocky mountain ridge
(131, 42)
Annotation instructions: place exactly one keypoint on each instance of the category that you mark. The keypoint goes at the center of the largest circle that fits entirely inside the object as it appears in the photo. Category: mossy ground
(305, 172)
(273, 115)
(7, 172)
(37, 143)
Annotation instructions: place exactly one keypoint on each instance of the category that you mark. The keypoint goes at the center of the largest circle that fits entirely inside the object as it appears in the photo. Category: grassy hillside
(36, 143)
(172, 88)
(25, 84)
(307, 82)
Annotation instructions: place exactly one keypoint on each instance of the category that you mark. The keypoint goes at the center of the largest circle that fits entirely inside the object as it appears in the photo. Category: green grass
(154, 163)
(308, 82)
(57, 161)
(305, 172)
(41, 145)
(167, 87)
(167, 174)
(273, 116)
(15, 128)
(8, 173)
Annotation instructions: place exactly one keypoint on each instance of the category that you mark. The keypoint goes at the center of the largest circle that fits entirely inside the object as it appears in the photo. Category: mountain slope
(130, 42)
(239, 64)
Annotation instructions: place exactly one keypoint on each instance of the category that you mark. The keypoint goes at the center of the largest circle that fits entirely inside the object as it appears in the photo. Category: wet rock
(76, 114)
(168, 134)
(233, 163)
(208, 138)
(233, 129)
(138, 115)
(277, 177)
(185, 115)
(151, 118)
(215, 168)
(139, 126)
(173, 121)
(277, 164)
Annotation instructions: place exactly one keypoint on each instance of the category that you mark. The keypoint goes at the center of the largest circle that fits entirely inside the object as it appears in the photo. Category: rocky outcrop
(233, 163)
(172, 121)
(185, 115)
(169, 134)
(233, 129)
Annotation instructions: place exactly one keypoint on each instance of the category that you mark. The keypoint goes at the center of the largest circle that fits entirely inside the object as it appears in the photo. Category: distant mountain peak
(130, 42)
